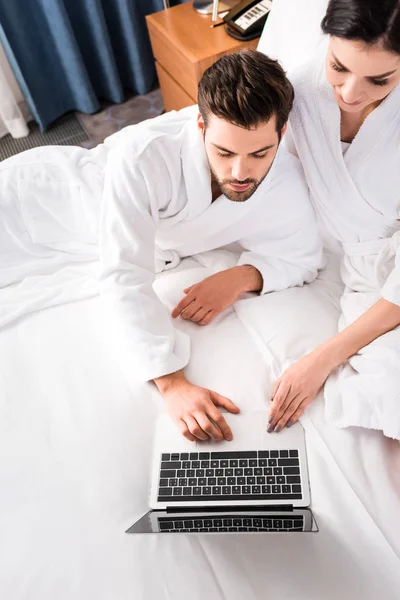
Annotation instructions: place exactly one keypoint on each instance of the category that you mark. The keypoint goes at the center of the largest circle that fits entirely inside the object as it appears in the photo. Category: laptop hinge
(270, 507)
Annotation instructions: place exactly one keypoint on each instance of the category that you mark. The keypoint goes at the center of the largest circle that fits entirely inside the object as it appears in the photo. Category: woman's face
(360, 74)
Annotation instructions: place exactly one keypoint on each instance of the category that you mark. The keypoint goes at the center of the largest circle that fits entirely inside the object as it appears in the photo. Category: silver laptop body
(257, 482)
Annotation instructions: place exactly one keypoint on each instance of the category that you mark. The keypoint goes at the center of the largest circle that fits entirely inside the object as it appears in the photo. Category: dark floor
(116, 116)
(87, 130)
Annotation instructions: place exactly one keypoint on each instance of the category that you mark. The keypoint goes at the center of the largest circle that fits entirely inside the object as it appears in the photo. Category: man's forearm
(379, 319)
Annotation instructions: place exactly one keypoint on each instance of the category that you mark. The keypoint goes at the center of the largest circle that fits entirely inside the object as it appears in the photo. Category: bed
(75, 455)
(75, 452)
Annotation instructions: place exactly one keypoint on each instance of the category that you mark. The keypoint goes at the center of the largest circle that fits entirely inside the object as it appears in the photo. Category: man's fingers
(208, 318)
(211, 430)
(183, 428)
(225, 402)
(199, 315)
(184, 303)
(187, 290)
(195, 429)
(218, 418)
(222, 425)
(191, 310)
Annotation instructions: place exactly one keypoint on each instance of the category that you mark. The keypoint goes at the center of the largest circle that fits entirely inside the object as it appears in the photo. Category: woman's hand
(296, 388)
(299, 384)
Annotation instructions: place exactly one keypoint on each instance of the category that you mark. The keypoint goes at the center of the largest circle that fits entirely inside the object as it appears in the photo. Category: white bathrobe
(357, 199)
(157, 209)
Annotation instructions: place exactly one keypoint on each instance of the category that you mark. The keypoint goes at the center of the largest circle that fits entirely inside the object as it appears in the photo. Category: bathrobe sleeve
(288, 249)
(137, 186)
(390, 291)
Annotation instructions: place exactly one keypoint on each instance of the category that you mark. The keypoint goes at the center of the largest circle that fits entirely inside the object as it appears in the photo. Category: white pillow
(293, 31)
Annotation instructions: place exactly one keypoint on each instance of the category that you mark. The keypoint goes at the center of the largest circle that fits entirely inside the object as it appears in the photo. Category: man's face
(239, 158)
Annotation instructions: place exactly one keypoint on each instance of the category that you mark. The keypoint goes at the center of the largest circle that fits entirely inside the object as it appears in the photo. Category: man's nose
(240, 170)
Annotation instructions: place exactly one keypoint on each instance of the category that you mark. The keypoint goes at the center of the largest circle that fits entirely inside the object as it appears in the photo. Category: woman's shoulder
(308, 77)
(303, 80)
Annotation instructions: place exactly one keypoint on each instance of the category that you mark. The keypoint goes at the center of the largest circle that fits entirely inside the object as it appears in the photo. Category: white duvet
(75, 444)
(75, 448)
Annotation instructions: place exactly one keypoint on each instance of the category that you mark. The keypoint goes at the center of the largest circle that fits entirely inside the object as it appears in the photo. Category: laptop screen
(238, 521)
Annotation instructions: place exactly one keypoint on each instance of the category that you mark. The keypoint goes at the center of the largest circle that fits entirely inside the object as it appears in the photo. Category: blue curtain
(66, 54)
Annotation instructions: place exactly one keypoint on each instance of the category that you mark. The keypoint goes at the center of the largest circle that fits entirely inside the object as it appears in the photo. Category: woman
(345, 127)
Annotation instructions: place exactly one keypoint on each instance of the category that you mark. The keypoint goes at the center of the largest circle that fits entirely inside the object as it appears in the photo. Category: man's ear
(200, 123)
(283, 131)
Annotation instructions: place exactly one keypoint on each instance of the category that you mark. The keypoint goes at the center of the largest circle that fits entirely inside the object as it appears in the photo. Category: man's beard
(238, 196)
(229, 193)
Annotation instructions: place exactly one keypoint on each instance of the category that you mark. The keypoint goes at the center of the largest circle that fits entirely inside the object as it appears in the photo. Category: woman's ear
(283, 131)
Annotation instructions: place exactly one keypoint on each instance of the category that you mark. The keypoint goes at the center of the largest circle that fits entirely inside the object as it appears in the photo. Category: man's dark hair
(246, 89)
(369, 21)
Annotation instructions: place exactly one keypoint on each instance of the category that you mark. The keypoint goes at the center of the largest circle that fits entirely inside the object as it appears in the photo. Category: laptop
(257, 483)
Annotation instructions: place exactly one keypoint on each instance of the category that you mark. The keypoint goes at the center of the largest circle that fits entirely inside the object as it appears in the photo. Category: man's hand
(296, 388)
(194, 409)
(210, 297)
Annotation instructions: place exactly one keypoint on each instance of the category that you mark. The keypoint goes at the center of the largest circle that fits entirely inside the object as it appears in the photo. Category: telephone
(246, 20)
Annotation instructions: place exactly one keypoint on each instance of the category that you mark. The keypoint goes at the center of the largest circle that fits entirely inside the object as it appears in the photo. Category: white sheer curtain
(13, 111)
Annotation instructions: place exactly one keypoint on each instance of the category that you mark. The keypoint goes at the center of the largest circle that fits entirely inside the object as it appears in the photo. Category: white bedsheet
(75, 440)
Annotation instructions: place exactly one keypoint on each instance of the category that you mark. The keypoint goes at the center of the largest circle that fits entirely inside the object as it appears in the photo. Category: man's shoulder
(157, 135)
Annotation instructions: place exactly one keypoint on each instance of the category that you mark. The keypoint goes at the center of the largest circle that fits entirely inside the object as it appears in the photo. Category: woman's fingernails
(270, 428)
(270, 419)
(278, 428)
(289, 423)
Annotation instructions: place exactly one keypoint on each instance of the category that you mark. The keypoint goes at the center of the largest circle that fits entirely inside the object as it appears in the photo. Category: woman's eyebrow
(383, 75)
(335, 58)
(369, 76)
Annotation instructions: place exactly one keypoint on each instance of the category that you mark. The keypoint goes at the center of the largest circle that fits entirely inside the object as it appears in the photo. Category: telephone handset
(246, 20)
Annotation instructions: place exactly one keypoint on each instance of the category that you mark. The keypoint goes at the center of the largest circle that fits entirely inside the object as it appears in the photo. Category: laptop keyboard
(210, 476)
(218, 523)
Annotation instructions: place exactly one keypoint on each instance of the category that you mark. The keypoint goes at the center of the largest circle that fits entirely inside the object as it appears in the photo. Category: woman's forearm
(379, 319)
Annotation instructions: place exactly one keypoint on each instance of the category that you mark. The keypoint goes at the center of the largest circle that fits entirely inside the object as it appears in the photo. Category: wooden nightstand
(184, 46)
